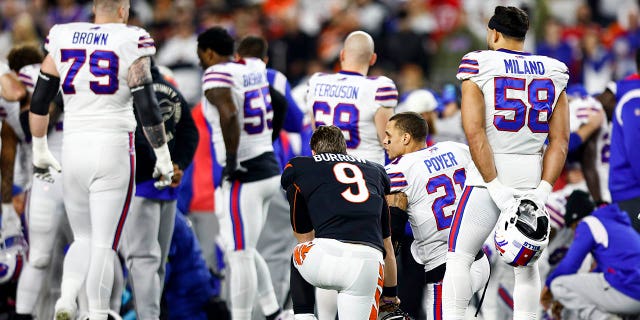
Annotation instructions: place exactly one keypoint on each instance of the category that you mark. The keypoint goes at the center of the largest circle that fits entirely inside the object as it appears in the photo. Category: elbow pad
(144, 100)
(46, 90)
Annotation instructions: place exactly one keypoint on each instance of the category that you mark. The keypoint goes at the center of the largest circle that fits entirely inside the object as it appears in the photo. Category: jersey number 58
(540, 97)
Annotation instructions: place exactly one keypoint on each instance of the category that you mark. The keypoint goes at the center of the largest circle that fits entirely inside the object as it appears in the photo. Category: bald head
(358, 49)
(111, 10)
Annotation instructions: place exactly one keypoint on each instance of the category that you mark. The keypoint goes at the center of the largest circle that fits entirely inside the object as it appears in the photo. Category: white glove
(542, 192)
(164, 167)
(43, 159)
(503, 196)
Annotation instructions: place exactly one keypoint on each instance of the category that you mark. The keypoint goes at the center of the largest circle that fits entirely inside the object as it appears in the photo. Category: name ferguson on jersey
(90, 38)
(335, 91)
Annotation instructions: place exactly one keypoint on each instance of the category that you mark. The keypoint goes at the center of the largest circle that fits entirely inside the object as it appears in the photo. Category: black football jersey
(339, 196)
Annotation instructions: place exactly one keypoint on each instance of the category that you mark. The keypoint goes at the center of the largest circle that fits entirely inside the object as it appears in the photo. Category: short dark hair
(328, 139)
(253, 46)
(512, 22)
(411, 123)
(24, 55)
(579, 205)
(217, 39)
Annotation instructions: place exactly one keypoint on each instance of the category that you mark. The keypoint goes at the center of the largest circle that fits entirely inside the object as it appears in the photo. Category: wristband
(390, 291)
(39, 144)
(162, 153)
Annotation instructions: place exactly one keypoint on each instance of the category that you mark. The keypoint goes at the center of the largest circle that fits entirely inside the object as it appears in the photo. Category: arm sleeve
(294, 118)
(469, 66)
(574, 141)
(140, 45)
(299, 213)
(581, 246)
(631, 130)
(287, 177)
(397, 180)
(186, 137)
(386, 93)
(385, 219)
(279, 105)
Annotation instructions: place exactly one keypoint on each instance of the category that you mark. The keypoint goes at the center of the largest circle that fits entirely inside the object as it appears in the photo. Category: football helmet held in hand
(522, 233)
(13, 250)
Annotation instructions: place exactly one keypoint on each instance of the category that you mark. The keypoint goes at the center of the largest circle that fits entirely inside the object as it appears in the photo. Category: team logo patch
(300, 252)
(499, 243)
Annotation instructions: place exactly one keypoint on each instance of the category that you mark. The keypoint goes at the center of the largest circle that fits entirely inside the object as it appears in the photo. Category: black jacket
(182, 134)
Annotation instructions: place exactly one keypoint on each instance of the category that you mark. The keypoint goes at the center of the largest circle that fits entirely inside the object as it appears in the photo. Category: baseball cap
(419, 101)
(579, 205)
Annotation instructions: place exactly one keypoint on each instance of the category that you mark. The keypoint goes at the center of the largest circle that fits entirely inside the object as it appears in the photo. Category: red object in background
(561, 182)
(203, 186)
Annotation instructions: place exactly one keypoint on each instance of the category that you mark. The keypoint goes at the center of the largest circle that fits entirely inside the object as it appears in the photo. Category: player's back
(93, 61)
(344, 195)
(349, 101)
(247, 80)
(579, 111)
(433, 180)
(520, 93)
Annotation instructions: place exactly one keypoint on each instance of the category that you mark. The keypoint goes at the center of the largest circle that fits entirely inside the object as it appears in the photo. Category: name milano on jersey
(349, 101)
(520, 93)
(93, 62)
(432, 179)
(247, 80)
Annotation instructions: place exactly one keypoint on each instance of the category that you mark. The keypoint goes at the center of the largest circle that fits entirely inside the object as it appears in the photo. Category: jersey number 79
(104, 65)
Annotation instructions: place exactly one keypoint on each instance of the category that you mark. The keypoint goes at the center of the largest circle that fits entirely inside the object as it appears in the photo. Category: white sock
(244, 283)
(526, 292)
(266, 294)
(456, 286)
(100, 281)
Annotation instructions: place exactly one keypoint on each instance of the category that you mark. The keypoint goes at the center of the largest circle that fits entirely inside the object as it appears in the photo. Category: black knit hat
(579, 205)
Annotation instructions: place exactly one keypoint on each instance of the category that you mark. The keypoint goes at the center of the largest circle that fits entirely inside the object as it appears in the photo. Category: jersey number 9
(102, 64)
(540, 97)
(357, 178)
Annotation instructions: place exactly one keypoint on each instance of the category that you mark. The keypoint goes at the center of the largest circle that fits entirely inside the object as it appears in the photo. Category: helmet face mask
(522, 233)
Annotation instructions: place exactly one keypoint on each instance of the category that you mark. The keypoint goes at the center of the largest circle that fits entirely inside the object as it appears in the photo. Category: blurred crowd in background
(419, 42)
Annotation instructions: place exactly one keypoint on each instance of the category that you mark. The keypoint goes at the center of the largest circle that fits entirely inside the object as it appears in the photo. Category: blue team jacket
(624, 165)
(619, 260)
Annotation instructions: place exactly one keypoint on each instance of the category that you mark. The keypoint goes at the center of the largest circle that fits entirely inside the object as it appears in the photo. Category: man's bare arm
(140, 81)
(381, 118)
(589, 168)
(390, 267)
(556, 153)
(12, 88)
(304, 237)
(229, 123)
(473, 123)
(8, 156)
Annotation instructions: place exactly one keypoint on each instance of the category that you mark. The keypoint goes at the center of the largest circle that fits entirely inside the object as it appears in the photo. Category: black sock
(303, 294)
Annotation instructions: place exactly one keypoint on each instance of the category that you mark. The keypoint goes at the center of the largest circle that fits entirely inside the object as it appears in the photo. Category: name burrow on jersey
(441, 162)
(337, 157)
(95, 38)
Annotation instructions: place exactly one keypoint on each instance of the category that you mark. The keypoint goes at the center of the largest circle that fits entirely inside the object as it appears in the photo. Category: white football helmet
(522, 233)
(13, 251)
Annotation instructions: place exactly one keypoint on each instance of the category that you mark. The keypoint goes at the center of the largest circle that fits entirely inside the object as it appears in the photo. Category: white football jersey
(93, 61)
(349, 101)
(433, 179)
(520, 93)
(580, 109)
(247, 80)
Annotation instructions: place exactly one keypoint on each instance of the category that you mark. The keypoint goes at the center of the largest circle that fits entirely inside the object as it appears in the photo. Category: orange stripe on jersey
(374, 308)
(289, 165)
(293, 214)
